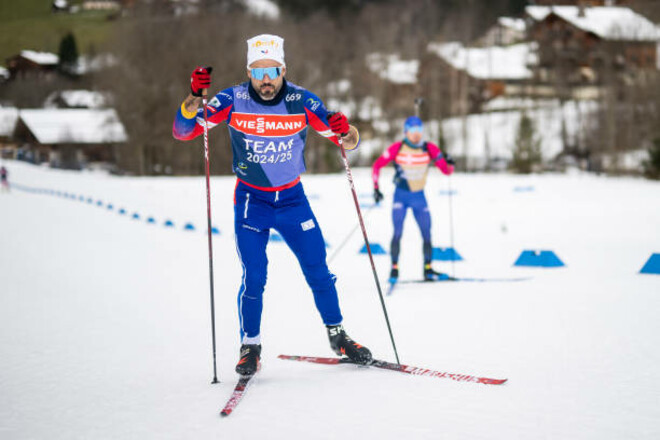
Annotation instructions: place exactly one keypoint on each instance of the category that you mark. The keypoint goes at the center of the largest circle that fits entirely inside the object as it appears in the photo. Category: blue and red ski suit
(411, 164)
(268, 140)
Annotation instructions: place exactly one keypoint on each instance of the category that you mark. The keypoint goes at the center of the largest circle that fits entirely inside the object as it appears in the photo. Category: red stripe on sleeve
(388, 156)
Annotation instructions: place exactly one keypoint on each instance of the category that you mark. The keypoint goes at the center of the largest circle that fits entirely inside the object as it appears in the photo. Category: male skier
(267, 118)
(411, 158)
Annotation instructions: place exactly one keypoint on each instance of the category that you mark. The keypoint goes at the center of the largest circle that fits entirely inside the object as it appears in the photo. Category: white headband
(265, 47)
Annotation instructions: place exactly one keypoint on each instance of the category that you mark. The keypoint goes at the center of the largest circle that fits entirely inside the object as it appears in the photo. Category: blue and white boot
(431, 275)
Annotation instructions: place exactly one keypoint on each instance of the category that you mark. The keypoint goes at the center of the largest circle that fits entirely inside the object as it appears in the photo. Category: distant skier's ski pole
(350, 234)
(366, 242)
(208, 216)
(451, 227)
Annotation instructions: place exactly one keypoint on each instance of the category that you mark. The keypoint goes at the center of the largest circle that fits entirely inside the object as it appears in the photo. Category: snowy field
(105, 322)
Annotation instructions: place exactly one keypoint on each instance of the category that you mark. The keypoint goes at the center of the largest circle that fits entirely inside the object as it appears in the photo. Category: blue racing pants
(416, 200)
(288, 212)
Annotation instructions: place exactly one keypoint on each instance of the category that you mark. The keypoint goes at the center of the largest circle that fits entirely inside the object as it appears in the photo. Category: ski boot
(343, 345)
(249, 363)
(394, 274)
(431, 275)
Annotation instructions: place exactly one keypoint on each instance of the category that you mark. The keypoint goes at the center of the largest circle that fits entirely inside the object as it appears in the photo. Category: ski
(415, 371)
(390, 287)
(474, 280)
(236, 395)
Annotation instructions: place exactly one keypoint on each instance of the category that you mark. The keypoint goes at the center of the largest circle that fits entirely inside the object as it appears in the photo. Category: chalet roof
(43, 58)
(77, 126)
(607, 22)
(496, 62)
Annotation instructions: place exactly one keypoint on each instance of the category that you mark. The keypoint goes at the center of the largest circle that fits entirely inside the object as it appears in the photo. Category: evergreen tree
(68, 53)
(652, 166)
(527, 152)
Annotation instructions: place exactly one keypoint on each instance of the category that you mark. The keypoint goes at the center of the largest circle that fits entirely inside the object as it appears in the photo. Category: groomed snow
(105, 325)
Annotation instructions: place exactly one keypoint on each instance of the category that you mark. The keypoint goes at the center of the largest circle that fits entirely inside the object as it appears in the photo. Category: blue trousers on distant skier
(287, 211)
(415, 200)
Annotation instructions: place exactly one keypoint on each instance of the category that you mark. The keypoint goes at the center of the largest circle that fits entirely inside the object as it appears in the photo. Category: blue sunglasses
(258, 73)
(414, 129)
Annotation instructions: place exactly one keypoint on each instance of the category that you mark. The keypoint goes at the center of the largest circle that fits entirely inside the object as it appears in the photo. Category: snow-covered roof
(8, 118)
(43, 58)
(393, 69)
(608, 22)
(77, 98)
(504, 63)
(263, 8)
(80, 126)
(517, 24)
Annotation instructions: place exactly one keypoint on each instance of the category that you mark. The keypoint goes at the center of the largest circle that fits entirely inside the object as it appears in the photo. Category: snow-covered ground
(105, 323)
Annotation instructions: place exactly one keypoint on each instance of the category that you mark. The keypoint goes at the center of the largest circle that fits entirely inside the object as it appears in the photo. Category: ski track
(105, 322)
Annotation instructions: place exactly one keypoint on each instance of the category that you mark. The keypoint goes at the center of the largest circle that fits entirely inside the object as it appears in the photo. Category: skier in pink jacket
(411, 158)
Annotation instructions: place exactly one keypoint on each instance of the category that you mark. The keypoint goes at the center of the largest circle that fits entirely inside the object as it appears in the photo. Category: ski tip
(494, 381)
(224, 413)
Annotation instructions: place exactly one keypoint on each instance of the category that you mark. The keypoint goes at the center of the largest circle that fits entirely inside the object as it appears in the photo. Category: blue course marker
(215, 230)
(169, 223)
(446, 254)
(122, 211)
(136, 216)
(111, 206)
(376, 249)
(189, 227)
(531, 258)
(151, 220)
(652, 265)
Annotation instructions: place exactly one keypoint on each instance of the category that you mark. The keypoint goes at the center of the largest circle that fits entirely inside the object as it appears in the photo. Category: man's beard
(267, 92)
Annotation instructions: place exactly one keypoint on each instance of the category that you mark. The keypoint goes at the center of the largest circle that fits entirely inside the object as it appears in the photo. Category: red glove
(338, 123)
(200, 79)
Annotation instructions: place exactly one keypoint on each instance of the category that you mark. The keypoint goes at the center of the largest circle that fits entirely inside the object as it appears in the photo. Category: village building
(69, 138)
(588, 45)
(32, 63)
(462, 79)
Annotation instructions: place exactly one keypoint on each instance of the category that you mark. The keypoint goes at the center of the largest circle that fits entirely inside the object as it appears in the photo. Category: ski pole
(208, 218)
(350, 234)
(451, 227)
(349, 174)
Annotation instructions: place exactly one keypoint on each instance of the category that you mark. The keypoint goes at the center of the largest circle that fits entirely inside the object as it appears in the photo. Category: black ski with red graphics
(415, 371)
